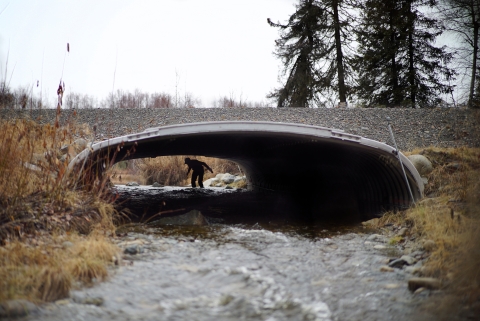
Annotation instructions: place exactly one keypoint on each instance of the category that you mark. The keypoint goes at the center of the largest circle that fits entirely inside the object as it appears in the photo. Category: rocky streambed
(263, 270)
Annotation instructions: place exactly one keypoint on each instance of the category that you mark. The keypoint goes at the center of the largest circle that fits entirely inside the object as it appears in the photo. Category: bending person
(198, 170)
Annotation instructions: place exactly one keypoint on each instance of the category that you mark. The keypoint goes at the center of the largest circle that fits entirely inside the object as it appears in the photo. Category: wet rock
(193, 217)
(228, 187)
(422, 164)
(133, 249)
(428, 283)
(385, 268)
(429, 245)
(408, 259)
(16, 308)
(397, 263)
(132, 184)
(157, 184)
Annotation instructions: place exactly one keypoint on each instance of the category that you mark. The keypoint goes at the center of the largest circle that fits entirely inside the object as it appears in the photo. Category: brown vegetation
(449, 219)
(42, 205)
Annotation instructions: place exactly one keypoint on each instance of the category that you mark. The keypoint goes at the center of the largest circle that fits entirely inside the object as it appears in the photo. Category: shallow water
(248, 271)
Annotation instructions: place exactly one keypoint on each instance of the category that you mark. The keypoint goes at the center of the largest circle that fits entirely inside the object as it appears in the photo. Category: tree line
(23, 98)
(377, 53)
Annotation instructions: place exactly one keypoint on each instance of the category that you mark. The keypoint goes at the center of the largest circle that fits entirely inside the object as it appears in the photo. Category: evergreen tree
(310, 47)
(463, 18)
(397, 61)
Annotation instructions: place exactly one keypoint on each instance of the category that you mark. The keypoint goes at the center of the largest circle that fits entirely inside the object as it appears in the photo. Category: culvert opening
(318, 172)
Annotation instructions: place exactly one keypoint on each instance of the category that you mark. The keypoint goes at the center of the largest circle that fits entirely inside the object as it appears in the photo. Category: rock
(379, 247)
(429, 283)
(79, 145)
(228, 187)
(132, 184)
(374, 237)
(408, 259)
(239, 178)
(422, 164)
(398, 263)
(228, 178)
(429, 245)
(157, 184)
(385, 268)
(133, 249)
(218, 185)
(402, 232)
(67, 244)
(413, 269)
(16, 308)
(193, 217)
(210, 182)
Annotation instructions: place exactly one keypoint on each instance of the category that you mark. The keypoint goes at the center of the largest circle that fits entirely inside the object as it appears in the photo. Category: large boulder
(422, 164)
(193, 217)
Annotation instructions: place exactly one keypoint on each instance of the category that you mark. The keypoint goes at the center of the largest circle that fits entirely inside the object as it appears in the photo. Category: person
(198, 170)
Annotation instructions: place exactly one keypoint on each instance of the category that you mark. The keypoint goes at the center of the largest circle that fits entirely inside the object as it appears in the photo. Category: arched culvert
(324, 169)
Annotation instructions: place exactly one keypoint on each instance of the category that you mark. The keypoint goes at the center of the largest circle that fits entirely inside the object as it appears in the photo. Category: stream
(263, 265)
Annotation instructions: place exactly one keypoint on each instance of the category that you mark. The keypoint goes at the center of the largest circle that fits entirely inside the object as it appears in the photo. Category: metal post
(400, 159)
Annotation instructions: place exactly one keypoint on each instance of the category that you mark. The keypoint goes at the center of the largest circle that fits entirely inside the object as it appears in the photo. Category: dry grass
(171, 170)
(40, 204)
(450, 217)
(46, 268)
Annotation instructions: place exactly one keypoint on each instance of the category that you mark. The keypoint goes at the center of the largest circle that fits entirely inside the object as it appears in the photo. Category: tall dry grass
(41, 204)
(171, 170)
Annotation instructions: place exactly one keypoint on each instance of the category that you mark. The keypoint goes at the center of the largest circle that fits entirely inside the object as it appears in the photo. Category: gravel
(413, 128)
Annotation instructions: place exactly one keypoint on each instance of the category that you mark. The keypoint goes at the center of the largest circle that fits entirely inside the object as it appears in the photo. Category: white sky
(210, 48)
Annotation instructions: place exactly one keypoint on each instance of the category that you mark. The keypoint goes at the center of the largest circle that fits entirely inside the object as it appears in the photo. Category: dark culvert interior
(290, 177)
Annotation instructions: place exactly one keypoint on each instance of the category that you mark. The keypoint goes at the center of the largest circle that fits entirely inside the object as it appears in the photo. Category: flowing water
(272, 269)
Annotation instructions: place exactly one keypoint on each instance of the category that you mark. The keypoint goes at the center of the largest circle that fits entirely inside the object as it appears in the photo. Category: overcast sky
(210, 48)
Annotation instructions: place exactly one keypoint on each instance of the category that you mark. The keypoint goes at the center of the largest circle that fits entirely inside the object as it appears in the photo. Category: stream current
(260, 268)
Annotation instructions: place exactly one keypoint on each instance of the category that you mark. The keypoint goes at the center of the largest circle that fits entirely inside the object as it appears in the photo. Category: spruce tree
(311, 49)
(397, 61)
(462, 17)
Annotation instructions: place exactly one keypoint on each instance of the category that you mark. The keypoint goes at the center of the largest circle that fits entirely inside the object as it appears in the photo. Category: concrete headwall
(413, 128)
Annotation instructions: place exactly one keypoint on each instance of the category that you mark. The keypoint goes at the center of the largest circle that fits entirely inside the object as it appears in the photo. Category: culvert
(325, 169)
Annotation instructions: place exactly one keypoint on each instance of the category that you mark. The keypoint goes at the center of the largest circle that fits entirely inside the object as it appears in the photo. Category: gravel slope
(412, 127)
